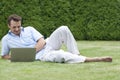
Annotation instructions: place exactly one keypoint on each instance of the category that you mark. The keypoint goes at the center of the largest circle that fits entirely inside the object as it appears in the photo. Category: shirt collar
(9, 32)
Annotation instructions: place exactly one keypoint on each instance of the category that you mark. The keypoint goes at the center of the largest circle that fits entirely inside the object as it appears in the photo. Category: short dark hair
(14, 17)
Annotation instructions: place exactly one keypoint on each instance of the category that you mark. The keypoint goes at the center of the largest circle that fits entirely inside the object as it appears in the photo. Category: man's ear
(8, 25)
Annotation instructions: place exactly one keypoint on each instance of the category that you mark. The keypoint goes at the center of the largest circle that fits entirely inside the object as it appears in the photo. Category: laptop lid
(23, 54)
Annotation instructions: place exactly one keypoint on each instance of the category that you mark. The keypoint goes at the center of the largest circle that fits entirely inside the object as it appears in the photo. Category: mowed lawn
(58, 71)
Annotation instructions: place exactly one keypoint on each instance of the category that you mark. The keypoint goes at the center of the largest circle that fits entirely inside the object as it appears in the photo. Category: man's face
(15, 27)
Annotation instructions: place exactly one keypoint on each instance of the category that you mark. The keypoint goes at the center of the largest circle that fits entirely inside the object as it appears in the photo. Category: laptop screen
(22, 54)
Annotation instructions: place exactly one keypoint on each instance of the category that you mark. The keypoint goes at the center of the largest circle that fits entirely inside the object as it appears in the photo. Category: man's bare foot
(106, 59)
(99, 59)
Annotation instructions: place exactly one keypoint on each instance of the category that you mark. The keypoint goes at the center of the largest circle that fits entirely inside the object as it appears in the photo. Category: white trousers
(52, 51)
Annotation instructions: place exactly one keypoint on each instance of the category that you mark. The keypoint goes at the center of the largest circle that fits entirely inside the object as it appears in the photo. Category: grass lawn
(57, 71)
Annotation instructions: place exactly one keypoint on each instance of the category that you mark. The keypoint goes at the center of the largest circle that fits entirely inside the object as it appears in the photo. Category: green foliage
(87, 19)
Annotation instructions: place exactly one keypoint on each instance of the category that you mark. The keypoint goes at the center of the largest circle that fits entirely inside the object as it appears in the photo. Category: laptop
(22, 54)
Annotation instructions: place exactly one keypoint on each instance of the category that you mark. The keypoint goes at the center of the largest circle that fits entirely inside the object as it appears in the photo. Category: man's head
(14, 23)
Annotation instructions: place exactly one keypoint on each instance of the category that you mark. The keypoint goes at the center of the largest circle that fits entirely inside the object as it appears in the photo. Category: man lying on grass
(46, 50)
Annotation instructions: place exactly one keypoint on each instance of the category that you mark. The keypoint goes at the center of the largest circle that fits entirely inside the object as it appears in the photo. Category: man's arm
(40, 44)
(6, 57)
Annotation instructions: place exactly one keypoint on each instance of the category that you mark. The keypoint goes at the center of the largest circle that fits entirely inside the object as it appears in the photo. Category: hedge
(87, 19)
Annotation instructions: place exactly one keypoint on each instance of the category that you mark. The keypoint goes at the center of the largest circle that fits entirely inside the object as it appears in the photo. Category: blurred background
(87, 19)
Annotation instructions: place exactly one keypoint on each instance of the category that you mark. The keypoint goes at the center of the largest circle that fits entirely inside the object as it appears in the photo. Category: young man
(46, 50)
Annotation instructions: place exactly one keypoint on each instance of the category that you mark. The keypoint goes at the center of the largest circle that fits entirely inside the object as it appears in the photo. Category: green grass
(57, 71)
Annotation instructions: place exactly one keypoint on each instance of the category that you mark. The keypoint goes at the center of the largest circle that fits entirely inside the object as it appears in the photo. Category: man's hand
(40, 44)
(6, 57)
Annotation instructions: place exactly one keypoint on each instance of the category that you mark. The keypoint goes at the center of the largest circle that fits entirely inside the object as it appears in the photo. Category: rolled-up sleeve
(35, 34)
(5, 49)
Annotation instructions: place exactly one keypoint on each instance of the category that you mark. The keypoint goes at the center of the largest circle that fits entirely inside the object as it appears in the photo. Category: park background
(87, 19)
